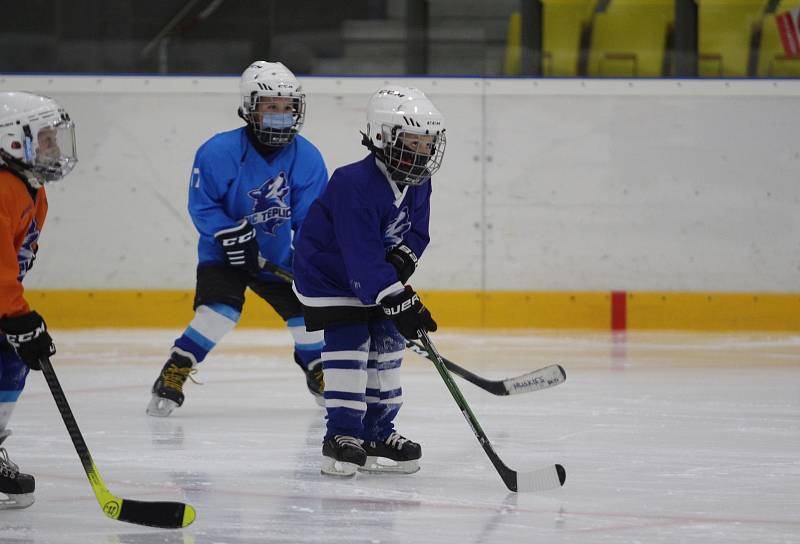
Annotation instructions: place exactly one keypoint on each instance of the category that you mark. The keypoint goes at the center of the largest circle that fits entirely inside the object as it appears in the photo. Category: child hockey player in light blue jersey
(249, 192)
(359, 245)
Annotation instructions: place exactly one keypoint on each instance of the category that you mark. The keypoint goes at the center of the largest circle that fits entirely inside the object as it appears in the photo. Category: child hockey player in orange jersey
(37, 146)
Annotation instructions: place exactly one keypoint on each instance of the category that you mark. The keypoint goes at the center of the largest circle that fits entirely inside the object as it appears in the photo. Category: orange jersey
(21, 221)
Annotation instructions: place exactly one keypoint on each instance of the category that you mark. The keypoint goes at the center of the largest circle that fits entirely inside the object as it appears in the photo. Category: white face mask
(277, 120)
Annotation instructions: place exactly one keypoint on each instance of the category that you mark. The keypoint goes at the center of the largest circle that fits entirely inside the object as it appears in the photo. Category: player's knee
(386, 337)
(219, 312)
(348, 337)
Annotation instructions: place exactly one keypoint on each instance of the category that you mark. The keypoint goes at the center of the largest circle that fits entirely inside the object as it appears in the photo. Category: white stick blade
(544, 479)
(543, 378)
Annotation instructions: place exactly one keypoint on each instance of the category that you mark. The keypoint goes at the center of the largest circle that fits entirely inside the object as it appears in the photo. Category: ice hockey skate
(396, 454)
(16, 488)
(168, 388)
(314, 379)
(342, 456)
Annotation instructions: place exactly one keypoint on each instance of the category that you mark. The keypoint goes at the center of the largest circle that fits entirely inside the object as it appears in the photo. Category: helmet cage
(411, 165)
(278, 133)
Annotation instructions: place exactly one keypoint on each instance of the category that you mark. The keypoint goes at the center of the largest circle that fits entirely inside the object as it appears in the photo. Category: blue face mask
(277, 120)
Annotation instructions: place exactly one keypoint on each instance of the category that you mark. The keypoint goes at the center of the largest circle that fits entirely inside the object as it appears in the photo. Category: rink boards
(74, 309)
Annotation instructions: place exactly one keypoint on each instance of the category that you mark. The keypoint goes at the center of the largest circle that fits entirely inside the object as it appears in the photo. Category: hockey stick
(165, 515)
(550, 477)
(545, 377)
(285, 275)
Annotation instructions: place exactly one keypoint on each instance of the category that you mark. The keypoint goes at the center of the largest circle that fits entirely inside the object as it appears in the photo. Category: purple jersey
(340, 254)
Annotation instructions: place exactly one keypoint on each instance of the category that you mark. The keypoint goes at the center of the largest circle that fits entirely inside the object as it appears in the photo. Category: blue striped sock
(344, 360)
(210, 324)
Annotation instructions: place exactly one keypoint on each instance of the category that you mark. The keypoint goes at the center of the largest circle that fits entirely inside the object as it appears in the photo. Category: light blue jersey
(232, 180)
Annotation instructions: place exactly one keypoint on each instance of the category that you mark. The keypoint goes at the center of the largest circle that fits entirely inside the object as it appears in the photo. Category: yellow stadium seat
(772, 61)
(725, 28)
(563, 22)
(629, 39)
(512, 63)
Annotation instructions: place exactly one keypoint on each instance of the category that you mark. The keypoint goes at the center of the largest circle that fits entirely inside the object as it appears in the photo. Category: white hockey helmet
(273, 103)
(36, 136)
(406, 132)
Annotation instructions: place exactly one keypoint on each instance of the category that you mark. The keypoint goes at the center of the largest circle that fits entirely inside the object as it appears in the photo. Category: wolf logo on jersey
(270, 209)
(26, 253)
(393, 234)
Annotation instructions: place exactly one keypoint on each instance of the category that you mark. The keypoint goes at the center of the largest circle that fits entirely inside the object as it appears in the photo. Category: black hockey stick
(549, 477)
(542, 378)
(165, 515)
(545, 377)
(285, 275)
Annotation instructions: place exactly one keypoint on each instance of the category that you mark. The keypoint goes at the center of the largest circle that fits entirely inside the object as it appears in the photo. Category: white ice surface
(666, 438)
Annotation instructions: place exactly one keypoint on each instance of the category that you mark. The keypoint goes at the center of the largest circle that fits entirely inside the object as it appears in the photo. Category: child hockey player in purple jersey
(249, 192)
(359, 245)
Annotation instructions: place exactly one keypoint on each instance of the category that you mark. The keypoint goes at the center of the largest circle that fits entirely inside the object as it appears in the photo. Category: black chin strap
(378, 152)
(367, 142)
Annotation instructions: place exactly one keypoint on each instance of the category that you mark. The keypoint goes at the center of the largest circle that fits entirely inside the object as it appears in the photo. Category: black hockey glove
(403, 259)
(28, 334)
(240, 246)
(408, 313)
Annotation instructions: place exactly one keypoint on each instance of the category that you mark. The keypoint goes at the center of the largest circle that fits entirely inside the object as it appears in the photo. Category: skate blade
(332, 467)
(16, 501)
(319, 399)
(160, 407)
(380, 465)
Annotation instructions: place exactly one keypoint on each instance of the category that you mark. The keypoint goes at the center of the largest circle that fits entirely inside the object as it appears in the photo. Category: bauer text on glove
(408, 313)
